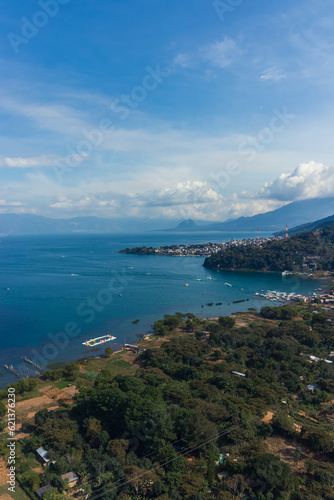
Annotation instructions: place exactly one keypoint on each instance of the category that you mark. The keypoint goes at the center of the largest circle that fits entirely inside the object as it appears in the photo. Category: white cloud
(221, 54)
(272, 74)
(308, 180)
(57, 118)
(182, 194)
(190, 194)
(31, 162)
(10, 204)
(183, 60)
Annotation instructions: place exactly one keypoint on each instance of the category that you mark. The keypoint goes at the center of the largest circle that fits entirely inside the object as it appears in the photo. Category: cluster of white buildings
(276, 296)
(206, 249)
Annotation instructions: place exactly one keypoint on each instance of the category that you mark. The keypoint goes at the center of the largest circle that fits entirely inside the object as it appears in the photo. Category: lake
(81, 285)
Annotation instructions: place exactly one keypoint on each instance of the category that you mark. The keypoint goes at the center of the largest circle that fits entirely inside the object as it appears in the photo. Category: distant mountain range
(37, 224)
(294, 214)
(299, 213)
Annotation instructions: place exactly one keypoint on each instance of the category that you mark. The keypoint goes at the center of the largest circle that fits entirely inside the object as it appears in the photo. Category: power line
(190, 450)
(181, 439)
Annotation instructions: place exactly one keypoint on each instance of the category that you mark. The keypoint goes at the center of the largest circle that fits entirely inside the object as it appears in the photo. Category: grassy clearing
(62, 384)
(18, 495)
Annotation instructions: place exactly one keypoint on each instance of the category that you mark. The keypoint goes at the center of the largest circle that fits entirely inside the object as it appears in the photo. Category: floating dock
(98, 340)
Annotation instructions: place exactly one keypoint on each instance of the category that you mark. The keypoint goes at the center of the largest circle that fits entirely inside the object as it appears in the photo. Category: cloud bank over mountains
(308, 180)
(191, 199)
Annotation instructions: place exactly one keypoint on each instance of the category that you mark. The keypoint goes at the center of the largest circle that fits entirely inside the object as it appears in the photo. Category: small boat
(98, 340)
(186, 284)
(120, 295)
(228, 284)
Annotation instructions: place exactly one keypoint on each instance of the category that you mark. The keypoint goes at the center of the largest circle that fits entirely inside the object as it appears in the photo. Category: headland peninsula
(309, 253)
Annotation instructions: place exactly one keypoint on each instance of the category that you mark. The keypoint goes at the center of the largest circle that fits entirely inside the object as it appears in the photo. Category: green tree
(211, 466)
(3, 410)
(25, 385)
(53, 495)
(41, 416)
(108, 351)
(33, 481)
(226, 321)
(282, 424)
(59, 431)
(71, 371)
(321, 441)
(172, 322)
(274, 475)
(160, 328)
(94, 427)
(118, 449)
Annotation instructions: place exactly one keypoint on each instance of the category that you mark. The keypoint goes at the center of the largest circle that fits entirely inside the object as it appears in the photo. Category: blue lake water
(49, 284)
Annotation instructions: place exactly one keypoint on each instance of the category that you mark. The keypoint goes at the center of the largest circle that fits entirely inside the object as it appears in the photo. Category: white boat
(98, 340)
(228, 284)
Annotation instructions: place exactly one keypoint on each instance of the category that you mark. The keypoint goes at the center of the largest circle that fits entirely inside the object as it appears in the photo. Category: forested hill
(307, 251)
(311, 226)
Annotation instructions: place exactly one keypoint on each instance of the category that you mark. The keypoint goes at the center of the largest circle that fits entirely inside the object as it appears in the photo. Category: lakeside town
(200, 250)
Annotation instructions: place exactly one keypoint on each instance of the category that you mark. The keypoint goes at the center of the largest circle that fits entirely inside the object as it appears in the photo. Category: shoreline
(274, 303)
(227, 309)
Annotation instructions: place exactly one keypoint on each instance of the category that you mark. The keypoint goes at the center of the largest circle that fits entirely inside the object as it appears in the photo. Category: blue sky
(202, 109)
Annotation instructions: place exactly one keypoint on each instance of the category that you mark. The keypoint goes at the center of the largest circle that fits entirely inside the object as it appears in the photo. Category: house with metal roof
(240, 374)
(42, 453)
(40, 492)
(71, 477)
